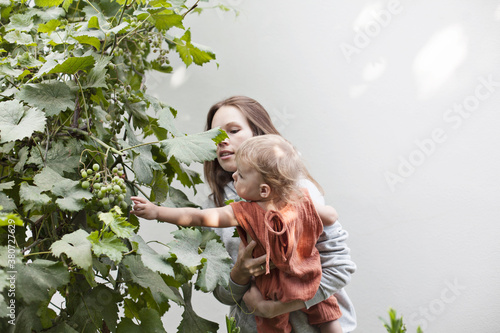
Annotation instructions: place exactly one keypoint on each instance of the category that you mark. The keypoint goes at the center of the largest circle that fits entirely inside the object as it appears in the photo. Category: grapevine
(79, 134)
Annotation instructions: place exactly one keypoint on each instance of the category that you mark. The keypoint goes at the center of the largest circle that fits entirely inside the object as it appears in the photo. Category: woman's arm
(187, 217)
(336, 264)
(328, 214)
(268, 309)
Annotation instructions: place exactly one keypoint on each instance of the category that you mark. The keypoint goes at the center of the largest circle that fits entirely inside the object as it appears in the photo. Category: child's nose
(235, 176)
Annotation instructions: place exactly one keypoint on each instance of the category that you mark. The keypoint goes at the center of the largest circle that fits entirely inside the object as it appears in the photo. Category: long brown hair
(260, 123)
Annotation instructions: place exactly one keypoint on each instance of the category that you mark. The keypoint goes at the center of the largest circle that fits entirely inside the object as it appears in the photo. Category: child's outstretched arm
(328, 214)
(222, 217)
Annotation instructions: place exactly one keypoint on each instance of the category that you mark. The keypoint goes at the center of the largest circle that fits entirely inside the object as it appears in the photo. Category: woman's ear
(265, 191)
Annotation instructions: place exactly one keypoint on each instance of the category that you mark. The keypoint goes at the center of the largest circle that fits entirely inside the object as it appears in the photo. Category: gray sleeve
(336, 263)
(232, 294)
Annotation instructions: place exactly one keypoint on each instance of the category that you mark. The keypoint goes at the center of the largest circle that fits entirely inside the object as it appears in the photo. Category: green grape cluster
(108, 189)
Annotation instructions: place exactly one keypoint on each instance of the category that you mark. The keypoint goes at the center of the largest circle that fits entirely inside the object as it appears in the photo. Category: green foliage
(231, 325)
(395, 324)
(79, 135)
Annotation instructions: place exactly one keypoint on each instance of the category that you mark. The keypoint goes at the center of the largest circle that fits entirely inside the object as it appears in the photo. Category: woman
(242, 117)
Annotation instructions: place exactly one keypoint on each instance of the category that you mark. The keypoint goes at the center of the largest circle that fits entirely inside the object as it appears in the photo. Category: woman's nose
(224, 142)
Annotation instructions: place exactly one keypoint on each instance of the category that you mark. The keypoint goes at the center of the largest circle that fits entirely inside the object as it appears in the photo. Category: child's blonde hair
(277, 161)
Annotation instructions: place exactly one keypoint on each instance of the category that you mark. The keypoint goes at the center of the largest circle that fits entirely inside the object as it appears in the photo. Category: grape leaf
(53, 97)
(166, 115)
(26, 60)
(188, 178)
(6, 185)
(20, 22)
(159, 187)
(70, 191)
(109, 245)
(96, 78)
(190, 53)
(66, 4)
(18, 37)
(185, 246)
(215, 259)
(68, 66)
(93, 23)
(60, 157)
(94, 306)
(61, 328)
(7, 203)
(216, 267)
(48, 3)
(38, 277)
(73, 200)
(47, 14)
(198, 147)
(92, 37)
(142, 163)
(122, 26)
(177, 198)
(76, 246)
(151, 259)
(191, 322)
(117, 223)
(4, 277)
(135, 271)
(72, 194)
(47, 178)
(163, 21)
(6, 219)
(32, 196)
(7, 70)
(49, 27)
(4, 310)
(150, 322)
(27, 320)
(16, 123)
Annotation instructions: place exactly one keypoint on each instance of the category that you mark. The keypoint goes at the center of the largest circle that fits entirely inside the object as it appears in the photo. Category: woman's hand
(246, 266)
(256, 303)
(268, 309)
(144, 208)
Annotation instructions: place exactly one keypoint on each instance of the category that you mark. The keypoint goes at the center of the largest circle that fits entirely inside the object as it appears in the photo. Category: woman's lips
(224, 155)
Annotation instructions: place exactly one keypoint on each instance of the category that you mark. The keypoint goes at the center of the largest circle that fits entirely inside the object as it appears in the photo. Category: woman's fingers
(252, 298)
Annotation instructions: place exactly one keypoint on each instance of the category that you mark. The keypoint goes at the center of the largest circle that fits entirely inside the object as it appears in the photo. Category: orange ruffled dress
(288, 237)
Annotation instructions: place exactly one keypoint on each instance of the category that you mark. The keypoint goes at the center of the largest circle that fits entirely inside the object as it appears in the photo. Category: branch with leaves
(79, 135)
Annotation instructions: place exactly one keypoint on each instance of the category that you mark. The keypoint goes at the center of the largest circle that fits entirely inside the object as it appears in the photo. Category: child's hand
(144, 208)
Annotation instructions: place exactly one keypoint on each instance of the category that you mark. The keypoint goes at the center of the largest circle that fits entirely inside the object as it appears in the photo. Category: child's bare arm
(222, 217)
(328, 214)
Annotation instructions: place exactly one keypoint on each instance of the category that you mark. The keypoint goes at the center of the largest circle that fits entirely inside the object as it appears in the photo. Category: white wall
(369, 104)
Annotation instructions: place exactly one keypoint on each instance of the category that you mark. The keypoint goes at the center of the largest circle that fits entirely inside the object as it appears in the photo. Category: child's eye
(234, 131)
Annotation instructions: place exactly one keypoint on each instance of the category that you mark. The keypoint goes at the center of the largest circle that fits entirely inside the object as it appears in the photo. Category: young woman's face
(231, 120)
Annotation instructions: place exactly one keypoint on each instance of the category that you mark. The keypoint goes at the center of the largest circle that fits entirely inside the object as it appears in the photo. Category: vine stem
(125, 6)
(84, 102)
(36, 253)
(133, 30)
(139, 145)
(95, 139)
(92, 6)
(190, 9)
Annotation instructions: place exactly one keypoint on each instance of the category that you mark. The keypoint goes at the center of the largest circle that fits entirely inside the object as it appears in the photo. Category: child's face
(247, 182)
